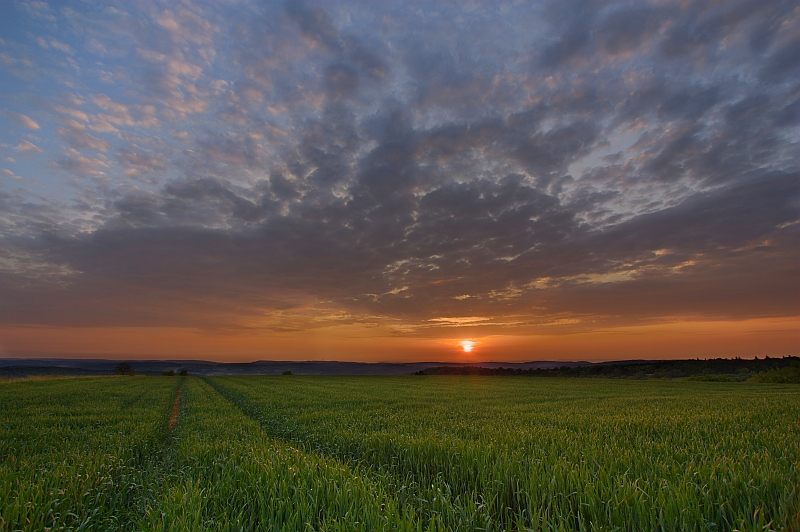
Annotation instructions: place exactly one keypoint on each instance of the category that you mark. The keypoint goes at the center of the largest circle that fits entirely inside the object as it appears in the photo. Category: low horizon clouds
(417, 168)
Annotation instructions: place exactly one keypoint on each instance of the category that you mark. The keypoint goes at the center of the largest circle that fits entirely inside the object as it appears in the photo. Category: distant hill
(30, 367)
(712, 369)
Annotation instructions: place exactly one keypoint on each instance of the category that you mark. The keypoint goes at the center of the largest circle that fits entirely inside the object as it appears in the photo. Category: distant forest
(786, 369)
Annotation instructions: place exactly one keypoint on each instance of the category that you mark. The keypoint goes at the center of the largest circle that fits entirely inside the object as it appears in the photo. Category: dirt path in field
(176, 408)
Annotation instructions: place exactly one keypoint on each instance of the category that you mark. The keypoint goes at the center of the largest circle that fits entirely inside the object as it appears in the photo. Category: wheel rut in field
(133, 481)
(150, 465)
(378, 472)
(176, 410)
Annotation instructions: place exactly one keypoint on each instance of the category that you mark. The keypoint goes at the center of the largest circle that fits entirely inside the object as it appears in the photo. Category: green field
(398, 453)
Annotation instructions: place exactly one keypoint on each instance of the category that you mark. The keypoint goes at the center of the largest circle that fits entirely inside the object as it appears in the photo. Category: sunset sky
(400, 181)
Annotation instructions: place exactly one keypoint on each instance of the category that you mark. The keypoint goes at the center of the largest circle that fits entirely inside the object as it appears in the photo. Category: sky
(240, 180)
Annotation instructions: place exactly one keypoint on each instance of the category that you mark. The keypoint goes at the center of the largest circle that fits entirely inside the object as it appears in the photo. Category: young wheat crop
(397, 453)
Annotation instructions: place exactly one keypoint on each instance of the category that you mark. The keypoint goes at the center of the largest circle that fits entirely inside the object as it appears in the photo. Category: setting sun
(466, 345)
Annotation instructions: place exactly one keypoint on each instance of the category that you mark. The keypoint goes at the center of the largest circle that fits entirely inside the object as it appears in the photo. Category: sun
(467, 345)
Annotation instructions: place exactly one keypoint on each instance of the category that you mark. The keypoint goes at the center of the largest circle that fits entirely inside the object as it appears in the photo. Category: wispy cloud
(24, 146)
(24, 121)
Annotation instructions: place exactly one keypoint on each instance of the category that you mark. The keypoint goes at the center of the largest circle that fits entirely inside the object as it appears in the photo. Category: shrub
(124, 368)
(788, 375)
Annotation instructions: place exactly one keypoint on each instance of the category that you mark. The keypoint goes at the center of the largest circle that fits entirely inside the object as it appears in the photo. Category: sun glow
(466, 345)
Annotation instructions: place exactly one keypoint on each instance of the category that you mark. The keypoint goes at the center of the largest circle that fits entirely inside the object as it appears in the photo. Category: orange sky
(684, 339)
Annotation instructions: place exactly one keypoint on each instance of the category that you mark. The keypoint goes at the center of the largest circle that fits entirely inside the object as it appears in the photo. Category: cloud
(58, 45)
(625, 30)
(79, 139)
(353, 58)
(783, 62)
(77, 163)
(24, 121)
(9, 173)
(139, 161)
(24, 146)
(503, 167)
(476, 239)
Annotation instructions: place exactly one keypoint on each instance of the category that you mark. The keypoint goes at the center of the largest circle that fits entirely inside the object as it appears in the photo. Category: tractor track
(176, 409)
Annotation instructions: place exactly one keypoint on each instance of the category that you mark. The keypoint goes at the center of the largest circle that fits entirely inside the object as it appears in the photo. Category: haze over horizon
(400, 181)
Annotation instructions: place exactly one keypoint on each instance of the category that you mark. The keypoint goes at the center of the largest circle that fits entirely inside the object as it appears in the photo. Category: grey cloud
(283, 188)
(20, 217)
(783, 63)
(393, 172)
(767, 26)
(725, 218)
(437, 67)
(546, 153)
(203, 201)
(679, 145)
(81, 139)
(326, 154)
(701, 23)
(235, 150)
(691, 31)
(581, 29)
(140, 159)
(625, 29)
(221, 199)
(315, 23)
(642, 101)
(341, 81)
(353, 58)
(748, 109)
(788, 115)
(80, 165)
(475, 237)
(574, 21)
(466, 86)
(507, 217)
(691, 102)
(362, 56)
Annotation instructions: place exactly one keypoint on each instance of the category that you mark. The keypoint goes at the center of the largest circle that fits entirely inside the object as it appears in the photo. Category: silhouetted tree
(124, 368)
